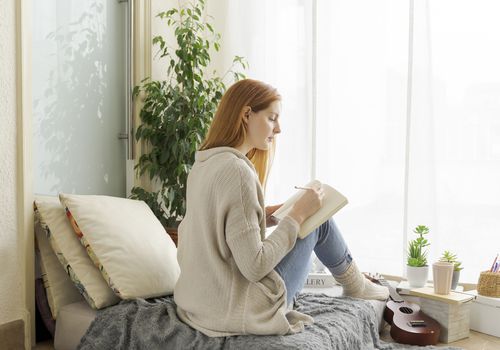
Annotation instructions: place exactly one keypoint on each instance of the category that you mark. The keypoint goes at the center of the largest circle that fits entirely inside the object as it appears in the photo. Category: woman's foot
(356, 285)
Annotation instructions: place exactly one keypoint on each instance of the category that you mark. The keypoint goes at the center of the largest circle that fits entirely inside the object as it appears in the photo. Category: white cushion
(58, 286)
(72, 255)
(128, 243)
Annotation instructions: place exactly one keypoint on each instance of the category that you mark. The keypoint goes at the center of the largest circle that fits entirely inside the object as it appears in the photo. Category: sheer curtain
(406, 103)
(274, 37)
(454, 182)
(362, 61)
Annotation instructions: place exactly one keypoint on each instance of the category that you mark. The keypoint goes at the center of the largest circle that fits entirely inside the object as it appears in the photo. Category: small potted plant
(457, 266)
(417, 269)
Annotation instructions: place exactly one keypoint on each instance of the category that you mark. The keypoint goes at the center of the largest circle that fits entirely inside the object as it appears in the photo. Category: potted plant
(457, 266)
(177, 112)
(417, 268)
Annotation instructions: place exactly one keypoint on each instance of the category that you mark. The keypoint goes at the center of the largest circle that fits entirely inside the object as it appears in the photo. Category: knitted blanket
(340, 323)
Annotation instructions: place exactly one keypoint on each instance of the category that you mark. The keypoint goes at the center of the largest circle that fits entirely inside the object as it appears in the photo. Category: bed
(340, 323)
(97, 276)
(74, 320)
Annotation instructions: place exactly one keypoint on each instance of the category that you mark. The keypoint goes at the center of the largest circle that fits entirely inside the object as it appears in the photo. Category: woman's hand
(270, 219)
(272, 208)
(308, 204)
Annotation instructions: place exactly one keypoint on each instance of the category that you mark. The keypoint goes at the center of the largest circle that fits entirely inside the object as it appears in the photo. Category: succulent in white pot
(417, 269)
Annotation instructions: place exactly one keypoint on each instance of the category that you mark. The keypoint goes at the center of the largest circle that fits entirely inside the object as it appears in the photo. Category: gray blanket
(340, 323)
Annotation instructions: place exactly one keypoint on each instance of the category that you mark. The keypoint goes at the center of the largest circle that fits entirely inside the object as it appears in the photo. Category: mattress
(72, 323)
(74, 319)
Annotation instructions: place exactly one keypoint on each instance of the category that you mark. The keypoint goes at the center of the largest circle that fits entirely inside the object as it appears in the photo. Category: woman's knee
(326, 228)
(329, 225)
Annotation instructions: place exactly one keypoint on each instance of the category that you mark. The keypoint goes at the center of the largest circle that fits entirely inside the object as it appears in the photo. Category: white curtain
(361, 116)
(274, 37)
(404, 101)
(454, 170)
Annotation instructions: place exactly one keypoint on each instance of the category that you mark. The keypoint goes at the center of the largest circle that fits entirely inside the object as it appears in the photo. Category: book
(333, 201)
(319, 280)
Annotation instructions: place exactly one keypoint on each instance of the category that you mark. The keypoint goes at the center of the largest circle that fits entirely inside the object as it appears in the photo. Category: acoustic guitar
(409, 325)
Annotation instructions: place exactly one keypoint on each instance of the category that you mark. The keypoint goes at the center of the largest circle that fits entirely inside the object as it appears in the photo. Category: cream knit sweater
(227, 284)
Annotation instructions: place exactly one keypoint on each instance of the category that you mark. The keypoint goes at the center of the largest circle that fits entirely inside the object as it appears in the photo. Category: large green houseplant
(177, 111)
(417, 269)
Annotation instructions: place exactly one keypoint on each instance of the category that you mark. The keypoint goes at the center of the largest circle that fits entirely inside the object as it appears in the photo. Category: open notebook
(332, 203)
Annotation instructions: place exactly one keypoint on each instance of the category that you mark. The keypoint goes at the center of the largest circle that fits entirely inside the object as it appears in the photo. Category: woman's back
(229, 288)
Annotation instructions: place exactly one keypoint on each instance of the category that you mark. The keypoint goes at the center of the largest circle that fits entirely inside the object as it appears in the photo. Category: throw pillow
(70, 253)
(59, 288)
(123, 237)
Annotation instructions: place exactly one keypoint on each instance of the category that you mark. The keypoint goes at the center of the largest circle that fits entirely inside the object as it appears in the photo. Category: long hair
(228, 128)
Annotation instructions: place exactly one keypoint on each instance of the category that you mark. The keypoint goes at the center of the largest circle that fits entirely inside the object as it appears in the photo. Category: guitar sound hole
(406, 310)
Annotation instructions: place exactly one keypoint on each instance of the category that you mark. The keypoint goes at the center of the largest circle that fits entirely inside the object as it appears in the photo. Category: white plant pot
(417, 276)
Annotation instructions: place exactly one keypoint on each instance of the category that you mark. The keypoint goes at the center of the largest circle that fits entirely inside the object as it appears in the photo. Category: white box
(454, 319)
(485, 315)
(452, 311)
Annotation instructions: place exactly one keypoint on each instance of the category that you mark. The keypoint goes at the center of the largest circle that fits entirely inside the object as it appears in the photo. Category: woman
(234, 280)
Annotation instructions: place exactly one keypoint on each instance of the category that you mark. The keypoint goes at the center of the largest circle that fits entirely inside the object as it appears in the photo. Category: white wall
(11, 258)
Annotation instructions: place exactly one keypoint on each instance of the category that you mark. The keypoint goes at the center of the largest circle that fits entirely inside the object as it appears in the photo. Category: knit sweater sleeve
(254, 256)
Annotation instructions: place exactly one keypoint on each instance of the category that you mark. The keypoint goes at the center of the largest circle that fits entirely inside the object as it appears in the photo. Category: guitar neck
(392, 292)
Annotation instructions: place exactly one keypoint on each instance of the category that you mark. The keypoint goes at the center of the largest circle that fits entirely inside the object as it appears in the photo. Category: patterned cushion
(43, 311)
(128, 243)
(59, 289)
(70, 253)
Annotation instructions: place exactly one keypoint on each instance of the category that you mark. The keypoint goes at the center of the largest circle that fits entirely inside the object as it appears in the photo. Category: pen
(303, 188)
(493, 265)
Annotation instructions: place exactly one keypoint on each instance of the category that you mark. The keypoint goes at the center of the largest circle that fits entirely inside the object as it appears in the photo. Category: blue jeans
(330, 248)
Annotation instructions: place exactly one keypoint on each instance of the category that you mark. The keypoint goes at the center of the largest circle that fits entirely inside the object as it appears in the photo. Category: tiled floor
(479, 341)
(45, 345)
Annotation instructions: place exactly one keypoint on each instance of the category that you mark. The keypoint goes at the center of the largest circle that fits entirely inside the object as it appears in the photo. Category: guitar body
(401, 316)
(409, 325)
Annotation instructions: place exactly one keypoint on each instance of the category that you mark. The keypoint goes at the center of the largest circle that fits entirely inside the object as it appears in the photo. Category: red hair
(228, 129)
